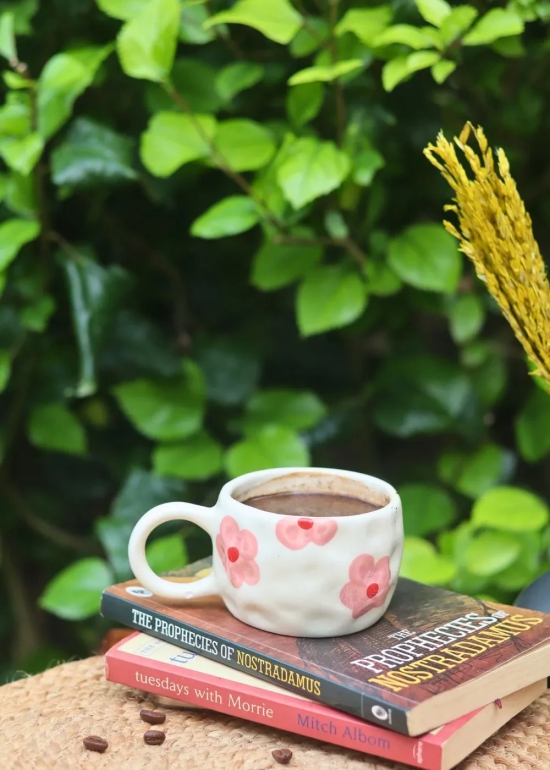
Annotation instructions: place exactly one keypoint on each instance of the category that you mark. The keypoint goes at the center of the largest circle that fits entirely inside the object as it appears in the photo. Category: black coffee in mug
(311, 504)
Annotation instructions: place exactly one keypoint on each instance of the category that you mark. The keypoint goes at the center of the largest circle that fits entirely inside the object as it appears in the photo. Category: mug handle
(196, 514)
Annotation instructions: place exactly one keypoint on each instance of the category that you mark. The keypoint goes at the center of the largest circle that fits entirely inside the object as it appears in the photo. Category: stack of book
(426, 685)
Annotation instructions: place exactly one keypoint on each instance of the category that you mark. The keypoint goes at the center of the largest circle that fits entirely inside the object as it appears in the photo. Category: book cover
(149, 664)
(405, 672)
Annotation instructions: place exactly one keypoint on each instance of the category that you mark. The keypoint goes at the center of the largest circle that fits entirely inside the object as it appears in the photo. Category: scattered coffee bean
(154, 737)
(95, 743)
(282, 756)
(153, 717)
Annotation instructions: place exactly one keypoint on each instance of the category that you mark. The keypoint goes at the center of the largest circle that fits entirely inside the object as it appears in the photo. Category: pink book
(149, 664)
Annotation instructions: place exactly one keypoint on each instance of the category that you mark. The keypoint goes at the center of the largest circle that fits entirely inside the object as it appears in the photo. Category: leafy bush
(221, 250)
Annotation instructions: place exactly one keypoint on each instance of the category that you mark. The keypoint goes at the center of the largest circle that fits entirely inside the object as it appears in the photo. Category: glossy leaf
(496, 23)
(243, 144)
(54, 428)
(274, 446)
(426, 509)
(75, 592)
(329, 297)
(280, 264)
(141, 491)
(193, 16)
(195, 81)
(365, 23)
(310, 38)
(304, 102)
(92, 153)
(426, 257)
(404, 34)
(22, 155)
(398, 69)
(434, 11)
(122, 9)
(7, 36)
(473, 475)
(421, 562)
(277, 20)
(466, 317)
(491, 552)
(510, 509)
(64, 77)
(237, 77)
(326, 73)
(231, 367)
(146, 44)
(196, 459)
(298, 409)
(533, 427)
(311, 169)
(230, 216)
(35, 316)
(171, 140)
(457, 22)
(442, 69)
(14, 234)
(381, 279)
(167, 553)
(165, 410)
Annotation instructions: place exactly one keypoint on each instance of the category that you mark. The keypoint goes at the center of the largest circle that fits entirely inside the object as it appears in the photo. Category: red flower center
(372, 590)
(305, 523)
(233, 553)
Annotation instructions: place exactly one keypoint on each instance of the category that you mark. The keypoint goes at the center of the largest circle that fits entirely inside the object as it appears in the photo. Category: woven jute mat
(43, 720)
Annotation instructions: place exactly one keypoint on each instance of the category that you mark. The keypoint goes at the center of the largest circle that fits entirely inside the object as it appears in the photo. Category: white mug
(297, 576)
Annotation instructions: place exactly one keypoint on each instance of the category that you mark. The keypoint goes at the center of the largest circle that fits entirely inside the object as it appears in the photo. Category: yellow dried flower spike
(495, 232)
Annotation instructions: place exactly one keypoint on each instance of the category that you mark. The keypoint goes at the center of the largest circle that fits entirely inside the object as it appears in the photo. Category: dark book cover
(430, 641)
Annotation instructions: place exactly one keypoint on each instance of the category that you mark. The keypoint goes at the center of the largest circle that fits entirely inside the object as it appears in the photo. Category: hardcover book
(434, 656)
(184, 677)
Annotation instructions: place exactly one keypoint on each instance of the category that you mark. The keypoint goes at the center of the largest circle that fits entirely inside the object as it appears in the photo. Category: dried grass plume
(495, 232)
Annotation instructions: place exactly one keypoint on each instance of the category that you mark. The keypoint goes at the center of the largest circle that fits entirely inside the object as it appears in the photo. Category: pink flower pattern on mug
(237, 549)
(297, 533)
(369, 584)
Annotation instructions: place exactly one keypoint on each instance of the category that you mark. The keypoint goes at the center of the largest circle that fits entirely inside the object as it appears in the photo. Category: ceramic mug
(298, 576)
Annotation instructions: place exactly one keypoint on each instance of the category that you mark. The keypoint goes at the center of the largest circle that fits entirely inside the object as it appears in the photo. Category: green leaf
(237, 77)
(122, 9)
(510, 509)
(491, 552)
(533, 427)
(489, 379)
(496, 23)
(5, 369)
(192, 79)
(22, 154)
(457, 22)
(146, 44)
(54, 428)
(165, 410)
(277, 19)
(298, 409)
(196, 459)
(277, 264)
(172, 140)
(426, 509)
(421, 562)
(20, 195)
(231, 367)
(426, 257)
(311, 169)
(113, 536)
(335, 224)
(7, 36)
(75, 592)
(365, 165)
(365, 23)
(310, 38)
(326, 74)
(401, 67)
(304, 102)
(475, 474)
(466, 317)
(141, 491)
(434, 11)
(95, 293)
(167, 553)
(380, 279)
(23, 11)
(230, 216)
(244, 145)
(14, 234)
(420, 394)
(442, 69)
(91, 154)
(16, 81)
(191, 24)
(331, 296)
(405, 34)
(63, 79)
(36, 316)
(274, 446)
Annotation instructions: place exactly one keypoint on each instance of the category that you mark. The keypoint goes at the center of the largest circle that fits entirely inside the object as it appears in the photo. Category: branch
(353, 248)
(26, 635)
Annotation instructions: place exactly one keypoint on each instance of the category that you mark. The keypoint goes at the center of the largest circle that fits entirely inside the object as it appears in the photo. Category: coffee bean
(95, 743)
(154, 737)
(153, 717)
(282, 756)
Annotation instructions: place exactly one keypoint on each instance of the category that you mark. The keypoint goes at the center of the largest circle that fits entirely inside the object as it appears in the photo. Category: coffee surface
(311, 504)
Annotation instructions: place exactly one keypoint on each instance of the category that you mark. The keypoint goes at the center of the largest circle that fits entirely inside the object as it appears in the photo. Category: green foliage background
(221, 250)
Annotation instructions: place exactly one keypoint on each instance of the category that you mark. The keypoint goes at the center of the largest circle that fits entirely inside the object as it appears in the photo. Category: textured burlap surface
(43, 720)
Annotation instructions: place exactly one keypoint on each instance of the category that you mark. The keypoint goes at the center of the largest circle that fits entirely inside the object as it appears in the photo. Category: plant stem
(353, 249)
(26, 635)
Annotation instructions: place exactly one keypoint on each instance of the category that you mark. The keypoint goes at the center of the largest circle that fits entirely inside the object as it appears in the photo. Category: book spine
(217, 648)
(274, 710)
